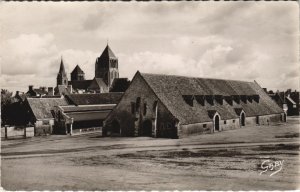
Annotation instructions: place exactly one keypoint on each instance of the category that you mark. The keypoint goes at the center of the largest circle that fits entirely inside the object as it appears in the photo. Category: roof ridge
(193, 77)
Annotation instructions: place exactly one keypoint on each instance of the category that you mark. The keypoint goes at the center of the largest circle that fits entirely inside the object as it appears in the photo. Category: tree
(6, 100)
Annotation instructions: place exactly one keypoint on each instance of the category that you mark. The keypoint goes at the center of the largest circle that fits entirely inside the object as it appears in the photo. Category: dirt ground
(229, 160)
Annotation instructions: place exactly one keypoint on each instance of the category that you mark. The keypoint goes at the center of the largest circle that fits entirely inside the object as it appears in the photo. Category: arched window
(115, 127)
(138, 104)
(154, 105)
(132, 107)
(217, 123)
(242, 119)
(145, 109)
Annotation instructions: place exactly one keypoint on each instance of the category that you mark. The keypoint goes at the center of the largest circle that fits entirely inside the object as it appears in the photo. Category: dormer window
(219, 99)
(244, 98)
(200, 99)
(189, 99)
(210, 99)
(237, 98)
(256, 98)
(249, 98)
(229, 100)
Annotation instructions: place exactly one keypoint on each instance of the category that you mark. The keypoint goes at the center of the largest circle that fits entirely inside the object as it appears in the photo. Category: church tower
(106, 66)
(77, 74)
(62, 76)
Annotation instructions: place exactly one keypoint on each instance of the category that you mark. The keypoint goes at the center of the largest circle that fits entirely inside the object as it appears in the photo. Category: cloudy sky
(229, 40)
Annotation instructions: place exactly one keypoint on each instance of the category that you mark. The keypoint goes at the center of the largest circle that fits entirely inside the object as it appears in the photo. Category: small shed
(41, 113)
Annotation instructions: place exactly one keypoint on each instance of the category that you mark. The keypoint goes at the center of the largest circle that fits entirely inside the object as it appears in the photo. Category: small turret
(77, 74)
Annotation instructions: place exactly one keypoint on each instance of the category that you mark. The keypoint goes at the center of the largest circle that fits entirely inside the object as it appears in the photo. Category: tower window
(113, 63)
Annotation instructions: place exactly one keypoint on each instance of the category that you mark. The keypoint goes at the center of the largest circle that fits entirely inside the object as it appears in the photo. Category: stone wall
(197, 128)
(206, 128)
(229, 124)
(250, 121)
(13, 132)
(43, 127)
(137, 111)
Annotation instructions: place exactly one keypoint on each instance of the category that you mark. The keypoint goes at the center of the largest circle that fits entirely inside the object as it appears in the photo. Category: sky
(226, 40)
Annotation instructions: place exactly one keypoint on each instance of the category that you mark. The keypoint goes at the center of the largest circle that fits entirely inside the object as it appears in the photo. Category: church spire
(62, 78)
(62, 67)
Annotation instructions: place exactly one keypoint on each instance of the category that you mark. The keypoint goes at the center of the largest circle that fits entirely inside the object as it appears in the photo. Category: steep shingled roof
(120, 85)
(107, 52)
(77, 70)
(94, 99)
(83, 84)
(85, 108)
(41, 107)
(171, 88)
(97, 83)
(62, 67)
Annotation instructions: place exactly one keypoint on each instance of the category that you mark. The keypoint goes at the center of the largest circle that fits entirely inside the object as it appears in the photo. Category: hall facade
(176, 106)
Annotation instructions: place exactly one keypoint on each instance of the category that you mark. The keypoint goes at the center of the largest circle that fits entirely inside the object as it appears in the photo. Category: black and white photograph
(143, 96)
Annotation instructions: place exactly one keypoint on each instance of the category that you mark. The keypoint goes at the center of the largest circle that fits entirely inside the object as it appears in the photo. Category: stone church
(106, 77)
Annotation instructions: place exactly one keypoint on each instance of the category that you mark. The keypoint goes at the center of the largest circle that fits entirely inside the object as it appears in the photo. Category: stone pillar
(5, 127)
(34, 129)
(178, 129)
(136, 127)
(25, 132)
(155, 121)
(66, 128)
(71, 128)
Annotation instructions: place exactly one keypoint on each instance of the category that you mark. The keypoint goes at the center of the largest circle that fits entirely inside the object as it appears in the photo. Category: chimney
(43, 89)
(30, 87)
(50, 91)
(17, 93)
(265, 89)
(70, 88)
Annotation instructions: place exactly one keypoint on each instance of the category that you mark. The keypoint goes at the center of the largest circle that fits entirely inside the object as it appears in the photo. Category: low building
(40, 112)
(287, 99)
(176, 106)
(85, 111)
(94, 99)
(39, 92)
(72, 118)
